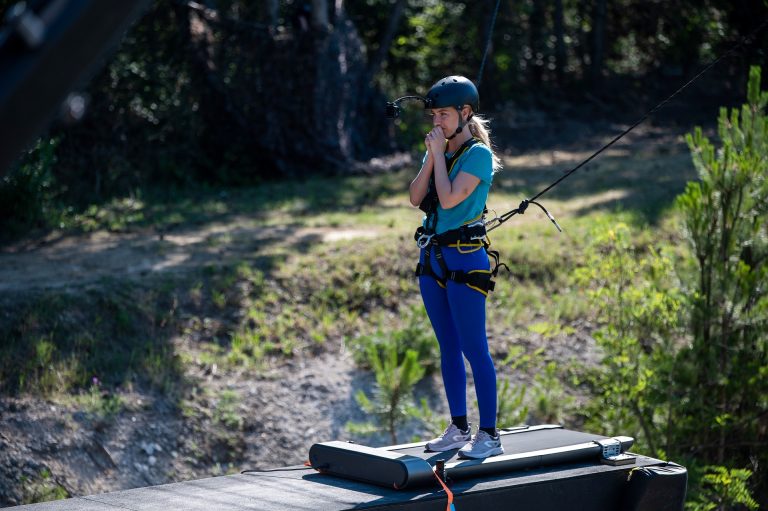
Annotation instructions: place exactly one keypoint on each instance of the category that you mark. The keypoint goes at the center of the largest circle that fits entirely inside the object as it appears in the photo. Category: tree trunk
(320, 119)
(273, 13)
(561, 57)
(598, 45)
(320, 20)
(226, 122)
(536, 26)
(292, 105)
(338, 10)
(386, 40)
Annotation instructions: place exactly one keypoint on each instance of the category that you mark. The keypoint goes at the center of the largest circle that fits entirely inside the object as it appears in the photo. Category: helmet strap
(460, 128)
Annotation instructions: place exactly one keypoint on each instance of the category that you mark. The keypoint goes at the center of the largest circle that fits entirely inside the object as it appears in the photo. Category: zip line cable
(487, 44)
(497, 221)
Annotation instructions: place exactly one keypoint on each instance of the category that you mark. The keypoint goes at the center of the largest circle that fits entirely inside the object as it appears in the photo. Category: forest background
(252, 135)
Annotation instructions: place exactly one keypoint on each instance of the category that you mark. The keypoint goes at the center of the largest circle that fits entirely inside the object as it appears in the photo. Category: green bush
(633, 289)
(392, 403)
(543, 401)
(43, 487)
(723, 489)
(415, 334)
(512, 410)
(685, 365)
(723, 373)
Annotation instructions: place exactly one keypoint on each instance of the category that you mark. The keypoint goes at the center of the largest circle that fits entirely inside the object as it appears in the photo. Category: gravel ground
(279, 416)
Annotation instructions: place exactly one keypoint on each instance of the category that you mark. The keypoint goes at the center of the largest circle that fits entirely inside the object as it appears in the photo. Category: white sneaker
(482, 445)
(452, 438)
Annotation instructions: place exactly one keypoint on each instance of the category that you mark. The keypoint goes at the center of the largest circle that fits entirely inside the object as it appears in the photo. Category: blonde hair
(478, 126)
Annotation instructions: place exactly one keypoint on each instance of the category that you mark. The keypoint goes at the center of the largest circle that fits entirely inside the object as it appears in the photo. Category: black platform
(584, 485)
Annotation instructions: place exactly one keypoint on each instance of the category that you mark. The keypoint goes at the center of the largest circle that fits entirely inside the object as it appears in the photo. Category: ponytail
(478, 126)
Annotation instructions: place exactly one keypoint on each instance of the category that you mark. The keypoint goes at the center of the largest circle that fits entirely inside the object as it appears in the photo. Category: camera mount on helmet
(392, 110)
(452, 91)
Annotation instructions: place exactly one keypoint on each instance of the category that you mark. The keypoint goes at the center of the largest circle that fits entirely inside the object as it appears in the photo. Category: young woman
(454, 271)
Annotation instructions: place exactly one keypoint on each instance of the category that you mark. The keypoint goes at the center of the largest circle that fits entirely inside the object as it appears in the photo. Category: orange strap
(448, 492)
(309, 464)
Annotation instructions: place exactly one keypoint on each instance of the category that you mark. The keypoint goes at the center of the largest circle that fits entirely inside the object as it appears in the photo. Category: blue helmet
(453, 91)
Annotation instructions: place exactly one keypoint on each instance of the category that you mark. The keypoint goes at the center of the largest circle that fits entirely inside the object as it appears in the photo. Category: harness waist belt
(464, 234)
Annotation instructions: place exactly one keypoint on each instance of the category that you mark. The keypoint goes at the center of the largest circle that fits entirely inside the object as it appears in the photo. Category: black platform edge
(591, 486)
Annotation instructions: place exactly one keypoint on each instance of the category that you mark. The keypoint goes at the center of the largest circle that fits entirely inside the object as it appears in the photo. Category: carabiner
(424, 240)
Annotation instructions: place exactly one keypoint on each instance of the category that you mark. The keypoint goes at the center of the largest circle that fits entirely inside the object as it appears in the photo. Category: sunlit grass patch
(55, 343)
(299, 202)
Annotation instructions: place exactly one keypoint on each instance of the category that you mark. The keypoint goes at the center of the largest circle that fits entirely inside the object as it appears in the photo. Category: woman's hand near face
(435, 141)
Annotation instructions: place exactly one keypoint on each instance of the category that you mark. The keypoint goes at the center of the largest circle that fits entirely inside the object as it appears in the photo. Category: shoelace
(450, 428)
(481, 436)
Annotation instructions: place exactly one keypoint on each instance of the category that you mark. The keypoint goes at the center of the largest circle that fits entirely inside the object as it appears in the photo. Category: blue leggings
(457, 313)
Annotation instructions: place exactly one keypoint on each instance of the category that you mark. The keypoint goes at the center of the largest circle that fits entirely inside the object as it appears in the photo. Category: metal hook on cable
(498, 220)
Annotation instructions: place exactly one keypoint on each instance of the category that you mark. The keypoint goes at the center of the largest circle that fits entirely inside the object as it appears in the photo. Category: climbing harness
(467, 238)
(479, 280)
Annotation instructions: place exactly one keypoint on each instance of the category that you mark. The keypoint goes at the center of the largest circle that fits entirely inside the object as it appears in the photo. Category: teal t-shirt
(478, 161)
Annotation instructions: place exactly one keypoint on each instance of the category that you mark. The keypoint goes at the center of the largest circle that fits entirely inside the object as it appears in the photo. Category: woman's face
(446, 118)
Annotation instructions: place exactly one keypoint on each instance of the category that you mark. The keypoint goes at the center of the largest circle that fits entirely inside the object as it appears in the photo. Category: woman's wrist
(439, 163)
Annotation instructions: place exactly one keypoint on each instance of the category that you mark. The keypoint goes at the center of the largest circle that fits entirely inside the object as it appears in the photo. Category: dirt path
(81, 260)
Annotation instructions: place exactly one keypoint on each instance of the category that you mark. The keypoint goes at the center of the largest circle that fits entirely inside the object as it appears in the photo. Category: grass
(100, 403)
(58, 341)
(42, 488)
(308, 202)
(302, 294)
(226, 410)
